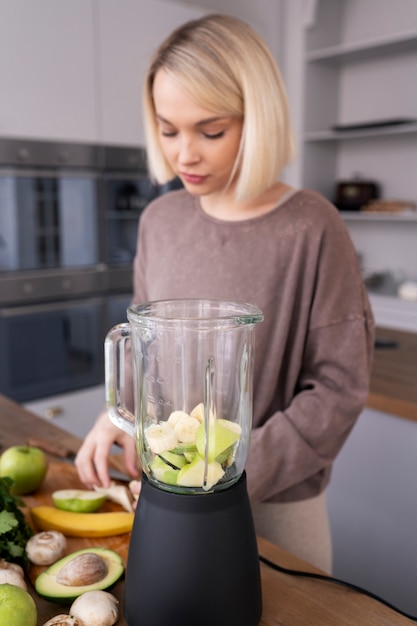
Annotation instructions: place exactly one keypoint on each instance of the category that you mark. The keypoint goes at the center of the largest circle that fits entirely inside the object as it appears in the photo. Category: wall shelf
(369, 133)
(402, 43)
(358, 216)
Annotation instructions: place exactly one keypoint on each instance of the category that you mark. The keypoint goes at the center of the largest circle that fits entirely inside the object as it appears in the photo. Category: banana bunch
(82, 524)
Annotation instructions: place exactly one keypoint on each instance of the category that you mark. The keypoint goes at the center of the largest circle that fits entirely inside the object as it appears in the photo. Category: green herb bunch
(14, 529)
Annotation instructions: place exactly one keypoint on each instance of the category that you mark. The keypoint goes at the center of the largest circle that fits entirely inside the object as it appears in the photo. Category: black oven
(52, 281)
(51, 348)
(69, 216)
(125, 189)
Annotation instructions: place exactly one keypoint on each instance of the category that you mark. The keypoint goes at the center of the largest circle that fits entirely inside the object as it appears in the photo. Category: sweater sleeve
(292, 452)
(294, 445)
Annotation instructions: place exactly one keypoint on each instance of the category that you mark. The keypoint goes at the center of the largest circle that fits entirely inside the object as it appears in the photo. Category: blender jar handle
(114, 357)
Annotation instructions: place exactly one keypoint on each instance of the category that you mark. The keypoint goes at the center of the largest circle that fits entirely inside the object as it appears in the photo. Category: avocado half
(48, 587)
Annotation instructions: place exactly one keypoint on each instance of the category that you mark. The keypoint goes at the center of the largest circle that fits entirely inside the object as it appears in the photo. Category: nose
(187, 151)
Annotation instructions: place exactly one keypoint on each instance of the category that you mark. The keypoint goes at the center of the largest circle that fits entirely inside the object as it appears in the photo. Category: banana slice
(161, 437)
(185, 429)
(198, 413)
(176, 416)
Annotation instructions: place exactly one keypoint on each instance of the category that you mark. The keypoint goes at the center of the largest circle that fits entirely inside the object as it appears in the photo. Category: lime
(17, 606)
(78, 500)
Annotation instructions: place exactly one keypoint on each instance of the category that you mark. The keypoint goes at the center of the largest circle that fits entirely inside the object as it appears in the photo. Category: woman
(216, 116)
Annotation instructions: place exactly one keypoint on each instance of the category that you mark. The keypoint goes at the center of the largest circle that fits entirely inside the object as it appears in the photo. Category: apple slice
(177, 461)
(78, 500)
(163, 472)
(222, 435)
(192, 475)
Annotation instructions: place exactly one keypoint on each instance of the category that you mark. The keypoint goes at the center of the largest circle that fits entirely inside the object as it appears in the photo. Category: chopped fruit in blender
(163, 472)
(198, 413)
(161, 437)
(176, 416)
(192, 475)
(177, 461)
(222, 435)
(185, 429)
(179, 448)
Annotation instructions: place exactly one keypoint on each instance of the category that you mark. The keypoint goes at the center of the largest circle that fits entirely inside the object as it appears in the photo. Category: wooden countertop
(288, 600)
(394, 374)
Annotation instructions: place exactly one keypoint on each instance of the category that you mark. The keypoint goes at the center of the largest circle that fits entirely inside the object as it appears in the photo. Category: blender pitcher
(192, 556)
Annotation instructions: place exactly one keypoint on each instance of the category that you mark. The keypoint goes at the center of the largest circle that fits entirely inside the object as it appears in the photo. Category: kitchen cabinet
(73, 71)
(372, 499)
(47, 70)
(127, 37)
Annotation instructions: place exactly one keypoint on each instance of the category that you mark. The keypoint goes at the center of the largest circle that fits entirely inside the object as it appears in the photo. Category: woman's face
(201, 146)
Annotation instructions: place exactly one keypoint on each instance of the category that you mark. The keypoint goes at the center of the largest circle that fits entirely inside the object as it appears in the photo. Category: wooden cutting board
(63, 475)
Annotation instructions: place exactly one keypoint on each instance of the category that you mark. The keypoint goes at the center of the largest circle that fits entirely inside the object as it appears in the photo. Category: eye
(214, 135)
(168, 133)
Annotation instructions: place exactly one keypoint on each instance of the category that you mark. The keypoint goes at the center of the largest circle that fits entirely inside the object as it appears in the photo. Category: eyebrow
(209, 120)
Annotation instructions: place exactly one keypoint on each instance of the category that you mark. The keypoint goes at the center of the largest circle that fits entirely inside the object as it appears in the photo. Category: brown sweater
(314, 347)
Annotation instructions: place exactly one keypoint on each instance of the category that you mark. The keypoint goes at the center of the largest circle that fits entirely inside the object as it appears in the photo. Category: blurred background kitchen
(73, 183)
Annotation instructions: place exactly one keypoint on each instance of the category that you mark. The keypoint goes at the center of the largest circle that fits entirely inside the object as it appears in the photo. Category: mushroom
(13, 574)
(117, 493)
(96, 608)
(63, 620)
(46, 547)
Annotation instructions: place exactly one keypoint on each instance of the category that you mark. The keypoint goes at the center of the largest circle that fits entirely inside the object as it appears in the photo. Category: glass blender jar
(193, 545)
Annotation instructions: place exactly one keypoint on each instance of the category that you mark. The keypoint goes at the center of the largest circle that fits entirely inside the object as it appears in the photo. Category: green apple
(163, 472)
(78, 500)
(226, 457)
(182, 448)
(221, 436)
(17, 607)
(26, 466)
(192, 475)
(177, 460)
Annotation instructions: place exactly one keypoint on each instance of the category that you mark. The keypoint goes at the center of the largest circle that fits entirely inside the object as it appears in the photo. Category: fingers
(130, 456)
(135, 487)
(91, 469)
(93, 456)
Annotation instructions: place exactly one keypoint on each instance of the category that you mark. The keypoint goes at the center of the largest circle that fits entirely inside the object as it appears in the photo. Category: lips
(193, 179)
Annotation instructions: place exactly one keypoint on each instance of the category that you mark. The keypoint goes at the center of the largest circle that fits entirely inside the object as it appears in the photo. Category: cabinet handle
(53, 411)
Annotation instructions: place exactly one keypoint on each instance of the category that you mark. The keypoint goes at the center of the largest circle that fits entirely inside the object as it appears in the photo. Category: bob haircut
(226, 67)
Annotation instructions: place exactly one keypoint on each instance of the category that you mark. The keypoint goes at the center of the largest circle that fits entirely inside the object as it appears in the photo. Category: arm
(292, 452)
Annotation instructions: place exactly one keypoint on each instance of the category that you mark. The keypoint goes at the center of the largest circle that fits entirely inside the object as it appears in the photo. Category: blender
(193, 557)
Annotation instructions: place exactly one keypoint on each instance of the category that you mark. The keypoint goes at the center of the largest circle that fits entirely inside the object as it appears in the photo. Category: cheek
(165, 147)
(228, 156)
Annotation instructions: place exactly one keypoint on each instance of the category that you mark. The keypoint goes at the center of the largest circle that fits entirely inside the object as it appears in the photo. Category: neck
(224, 207)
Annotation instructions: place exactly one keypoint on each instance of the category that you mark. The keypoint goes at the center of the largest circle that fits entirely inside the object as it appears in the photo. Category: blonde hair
(226, 67)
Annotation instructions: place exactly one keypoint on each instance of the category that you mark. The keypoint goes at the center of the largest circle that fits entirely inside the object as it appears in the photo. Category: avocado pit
(84, 569)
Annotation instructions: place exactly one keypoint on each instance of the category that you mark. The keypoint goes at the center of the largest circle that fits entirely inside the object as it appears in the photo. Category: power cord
(335, 581)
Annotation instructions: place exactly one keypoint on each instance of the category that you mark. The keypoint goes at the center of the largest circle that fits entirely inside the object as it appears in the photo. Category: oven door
(47, 220)
(51, 348)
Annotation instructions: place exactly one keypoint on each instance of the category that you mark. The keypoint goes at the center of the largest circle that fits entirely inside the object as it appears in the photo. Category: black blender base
(193, 560)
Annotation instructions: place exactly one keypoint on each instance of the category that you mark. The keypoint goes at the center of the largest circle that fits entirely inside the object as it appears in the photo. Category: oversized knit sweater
(314, 348)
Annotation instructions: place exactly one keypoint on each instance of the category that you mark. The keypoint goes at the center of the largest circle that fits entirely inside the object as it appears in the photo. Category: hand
(92, 458)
